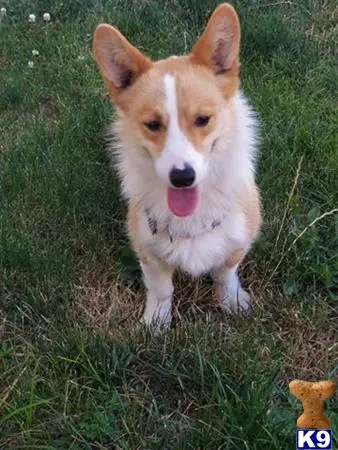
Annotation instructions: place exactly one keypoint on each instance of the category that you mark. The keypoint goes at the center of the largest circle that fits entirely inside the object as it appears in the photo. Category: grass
(76, 372)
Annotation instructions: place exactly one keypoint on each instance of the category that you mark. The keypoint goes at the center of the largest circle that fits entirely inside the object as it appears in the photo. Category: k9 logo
(314, 439)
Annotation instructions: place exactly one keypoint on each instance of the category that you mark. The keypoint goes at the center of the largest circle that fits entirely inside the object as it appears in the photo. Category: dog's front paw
(157, 320)
(234, 301)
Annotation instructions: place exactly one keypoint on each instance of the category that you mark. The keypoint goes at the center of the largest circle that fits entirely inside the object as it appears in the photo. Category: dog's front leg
(232, 296)
(157, 277)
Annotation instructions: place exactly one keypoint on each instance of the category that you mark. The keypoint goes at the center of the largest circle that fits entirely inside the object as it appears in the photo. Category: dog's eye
(153, 125)
(202, 121)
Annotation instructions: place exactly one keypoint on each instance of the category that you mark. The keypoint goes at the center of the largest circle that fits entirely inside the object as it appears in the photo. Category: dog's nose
(182, 177)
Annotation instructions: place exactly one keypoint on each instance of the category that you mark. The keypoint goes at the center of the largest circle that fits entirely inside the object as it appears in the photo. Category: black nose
(182, 177)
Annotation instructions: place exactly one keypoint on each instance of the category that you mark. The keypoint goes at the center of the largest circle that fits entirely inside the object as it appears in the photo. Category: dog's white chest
(200, 254)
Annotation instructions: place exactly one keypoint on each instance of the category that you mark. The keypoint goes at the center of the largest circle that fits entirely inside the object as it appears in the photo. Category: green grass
(74, 371)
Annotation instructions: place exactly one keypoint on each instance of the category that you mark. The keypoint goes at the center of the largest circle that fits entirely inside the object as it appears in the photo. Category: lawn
(76, 372)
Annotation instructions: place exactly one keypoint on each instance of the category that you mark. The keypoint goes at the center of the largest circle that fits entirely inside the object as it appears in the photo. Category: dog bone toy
(313, 396)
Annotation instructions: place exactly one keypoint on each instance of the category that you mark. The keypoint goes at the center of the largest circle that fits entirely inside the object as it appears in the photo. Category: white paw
(234, 300)
(157, 319)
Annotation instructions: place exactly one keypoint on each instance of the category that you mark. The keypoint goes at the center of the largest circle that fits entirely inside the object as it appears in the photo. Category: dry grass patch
(103, 304)
(324, 25)
(311, 354)
(310, 343)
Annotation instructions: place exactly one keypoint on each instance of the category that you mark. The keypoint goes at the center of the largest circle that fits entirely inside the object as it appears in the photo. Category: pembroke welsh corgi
(186, 148)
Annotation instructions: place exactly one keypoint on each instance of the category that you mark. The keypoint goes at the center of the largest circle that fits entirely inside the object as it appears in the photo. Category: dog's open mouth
(182, 202)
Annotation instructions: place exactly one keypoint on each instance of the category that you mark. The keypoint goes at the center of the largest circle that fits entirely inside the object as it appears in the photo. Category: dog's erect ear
(218, 47)
(119, 61)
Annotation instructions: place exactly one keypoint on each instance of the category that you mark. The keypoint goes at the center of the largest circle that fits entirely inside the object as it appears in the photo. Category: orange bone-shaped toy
(313, 396)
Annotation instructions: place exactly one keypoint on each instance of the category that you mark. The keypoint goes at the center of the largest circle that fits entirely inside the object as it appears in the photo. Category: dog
(186, 150)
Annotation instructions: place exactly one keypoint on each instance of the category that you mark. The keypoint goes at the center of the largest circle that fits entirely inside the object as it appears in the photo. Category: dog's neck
(174, 231)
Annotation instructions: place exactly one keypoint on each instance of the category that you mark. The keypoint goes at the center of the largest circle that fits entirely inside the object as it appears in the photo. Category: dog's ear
(218, 47)
(119, 61)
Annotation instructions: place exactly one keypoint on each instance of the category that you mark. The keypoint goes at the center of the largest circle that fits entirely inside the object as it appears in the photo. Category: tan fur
(210, 39)
(132, 223)
(109, 42)
(250, 202)
(235, 258)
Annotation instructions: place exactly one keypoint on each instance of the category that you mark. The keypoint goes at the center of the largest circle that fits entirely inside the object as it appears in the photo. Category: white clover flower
(46, 17)
(35, 52)
(31, 18)
(30, 64)
(80, 58)
(3, 12)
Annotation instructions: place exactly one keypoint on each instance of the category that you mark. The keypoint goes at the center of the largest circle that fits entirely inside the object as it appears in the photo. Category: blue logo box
(313, 439)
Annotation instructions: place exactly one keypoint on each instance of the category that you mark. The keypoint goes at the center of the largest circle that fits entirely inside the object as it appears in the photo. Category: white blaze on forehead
(178, 150)
(171, 103)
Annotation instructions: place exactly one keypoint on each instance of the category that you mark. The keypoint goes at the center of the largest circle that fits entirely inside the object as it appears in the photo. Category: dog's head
(175, 106)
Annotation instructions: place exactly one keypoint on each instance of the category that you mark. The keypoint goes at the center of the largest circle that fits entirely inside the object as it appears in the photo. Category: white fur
(178, 150)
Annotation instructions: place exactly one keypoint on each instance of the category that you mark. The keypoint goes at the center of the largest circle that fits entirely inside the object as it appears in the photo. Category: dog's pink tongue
(182, 202)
